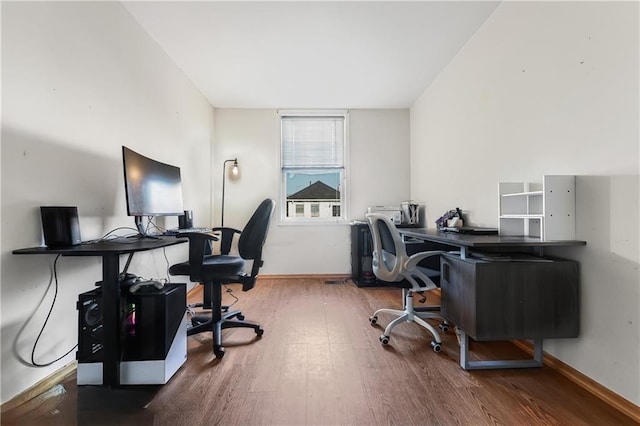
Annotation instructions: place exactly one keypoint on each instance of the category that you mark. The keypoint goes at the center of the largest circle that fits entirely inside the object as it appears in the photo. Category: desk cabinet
(504, 300)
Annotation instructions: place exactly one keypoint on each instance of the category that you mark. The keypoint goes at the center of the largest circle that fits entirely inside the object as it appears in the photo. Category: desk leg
(110, 320)
(498, 364)
(464, 252)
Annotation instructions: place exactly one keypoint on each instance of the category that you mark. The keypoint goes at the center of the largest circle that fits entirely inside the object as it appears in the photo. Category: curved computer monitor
(152, 188)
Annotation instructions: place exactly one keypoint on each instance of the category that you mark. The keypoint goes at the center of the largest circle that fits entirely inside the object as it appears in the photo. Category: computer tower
(153, 335)
(152, 318)
(89, 327)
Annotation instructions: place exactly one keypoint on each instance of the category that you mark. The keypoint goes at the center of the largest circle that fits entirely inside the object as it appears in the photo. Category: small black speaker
(185, 221)
(60, 226)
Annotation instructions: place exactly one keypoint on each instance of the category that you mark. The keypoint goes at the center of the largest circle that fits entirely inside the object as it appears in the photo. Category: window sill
(339, 222)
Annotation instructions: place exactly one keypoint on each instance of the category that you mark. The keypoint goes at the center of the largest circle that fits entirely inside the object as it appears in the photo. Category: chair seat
(213, 267)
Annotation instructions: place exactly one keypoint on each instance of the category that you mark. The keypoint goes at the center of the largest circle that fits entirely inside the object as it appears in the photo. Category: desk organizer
(545, 210)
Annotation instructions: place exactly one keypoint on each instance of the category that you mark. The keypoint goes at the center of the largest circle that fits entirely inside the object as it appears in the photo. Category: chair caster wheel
(437, 347)
(444, 327)
(384, 339)
(197, 321)
(218, 352)
(373, 320)
(260, 332)
(240, 317)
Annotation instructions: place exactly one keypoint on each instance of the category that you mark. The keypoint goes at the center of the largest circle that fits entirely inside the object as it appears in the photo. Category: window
(313, 150)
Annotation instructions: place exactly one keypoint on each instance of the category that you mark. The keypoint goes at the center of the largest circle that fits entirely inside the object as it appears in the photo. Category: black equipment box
(149, 320)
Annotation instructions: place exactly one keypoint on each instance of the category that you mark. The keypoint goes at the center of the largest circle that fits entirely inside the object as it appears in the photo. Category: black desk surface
(98, 248)
(470, 240)
(109, 251)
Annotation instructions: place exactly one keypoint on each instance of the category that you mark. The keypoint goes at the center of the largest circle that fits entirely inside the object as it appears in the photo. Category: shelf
(545, 211)
(521, 194)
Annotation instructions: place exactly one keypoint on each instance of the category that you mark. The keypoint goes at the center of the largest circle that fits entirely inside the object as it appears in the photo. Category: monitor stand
(141, 231)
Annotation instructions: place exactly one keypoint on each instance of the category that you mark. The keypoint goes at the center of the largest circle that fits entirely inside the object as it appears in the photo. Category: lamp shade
(234, 174)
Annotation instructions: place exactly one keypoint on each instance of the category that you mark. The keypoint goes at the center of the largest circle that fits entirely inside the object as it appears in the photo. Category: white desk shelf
(521, 194)
(521, 216)
(544, 210)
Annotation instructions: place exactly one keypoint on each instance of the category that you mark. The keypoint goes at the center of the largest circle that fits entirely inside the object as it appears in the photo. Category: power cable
(55, 296)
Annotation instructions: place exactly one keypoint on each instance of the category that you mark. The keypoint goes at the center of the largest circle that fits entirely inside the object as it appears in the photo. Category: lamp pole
(224, 178)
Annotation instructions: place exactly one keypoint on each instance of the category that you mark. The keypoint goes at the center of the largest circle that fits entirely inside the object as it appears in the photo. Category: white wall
(550, 88)
(78, 81)
(377, 174)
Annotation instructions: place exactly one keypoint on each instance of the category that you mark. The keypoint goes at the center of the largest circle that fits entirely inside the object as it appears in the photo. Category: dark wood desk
(110, 252)
(468, 242)
(490, 293)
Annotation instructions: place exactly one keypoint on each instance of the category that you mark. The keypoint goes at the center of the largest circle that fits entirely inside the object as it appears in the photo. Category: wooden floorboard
(320, 363)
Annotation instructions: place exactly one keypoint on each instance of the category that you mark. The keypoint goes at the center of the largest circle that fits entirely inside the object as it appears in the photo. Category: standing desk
(490, 296)
(109, 251)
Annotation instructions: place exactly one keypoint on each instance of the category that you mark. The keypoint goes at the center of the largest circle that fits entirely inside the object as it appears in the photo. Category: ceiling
(309, 54)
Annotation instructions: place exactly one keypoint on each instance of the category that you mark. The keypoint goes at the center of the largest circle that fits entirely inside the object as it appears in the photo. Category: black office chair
(213, 271)
(394, 266)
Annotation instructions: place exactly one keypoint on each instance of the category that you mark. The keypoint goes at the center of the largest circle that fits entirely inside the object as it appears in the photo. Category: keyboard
(186, 231)
(472, 230)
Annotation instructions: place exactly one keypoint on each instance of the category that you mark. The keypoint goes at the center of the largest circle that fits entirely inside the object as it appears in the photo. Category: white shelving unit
(545, 210)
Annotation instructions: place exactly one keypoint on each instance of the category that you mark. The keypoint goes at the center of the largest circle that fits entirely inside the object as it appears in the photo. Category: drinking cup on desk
(456, 222)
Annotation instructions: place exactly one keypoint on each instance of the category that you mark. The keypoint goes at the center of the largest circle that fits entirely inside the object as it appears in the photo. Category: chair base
(192, 306)
(411, 314)
(219, 319)
(201, 323)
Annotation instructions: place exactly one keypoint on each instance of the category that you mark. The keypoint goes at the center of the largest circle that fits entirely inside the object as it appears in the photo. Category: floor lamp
(234, 172)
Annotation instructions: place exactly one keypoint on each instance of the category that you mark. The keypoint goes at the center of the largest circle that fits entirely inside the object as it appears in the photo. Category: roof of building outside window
(316, 191)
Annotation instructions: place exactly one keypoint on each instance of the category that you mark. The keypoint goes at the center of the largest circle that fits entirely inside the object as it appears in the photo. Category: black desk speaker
(60, 226)
(185, 221)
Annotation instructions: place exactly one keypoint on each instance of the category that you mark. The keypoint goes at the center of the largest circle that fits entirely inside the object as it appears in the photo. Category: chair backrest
(254, 233)
(252, 240)
(389, 252)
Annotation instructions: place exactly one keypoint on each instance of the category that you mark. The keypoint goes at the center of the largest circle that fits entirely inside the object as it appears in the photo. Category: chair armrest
(227, 238)
(224, 229)
(198, 243)
(413, 261)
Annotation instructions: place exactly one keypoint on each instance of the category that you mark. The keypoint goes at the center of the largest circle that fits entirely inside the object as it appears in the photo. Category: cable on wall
(55, 296)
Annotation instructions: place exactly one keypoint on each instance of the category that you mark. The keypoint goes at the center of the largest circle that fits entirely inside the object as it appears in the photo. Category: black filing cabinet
(361, 255)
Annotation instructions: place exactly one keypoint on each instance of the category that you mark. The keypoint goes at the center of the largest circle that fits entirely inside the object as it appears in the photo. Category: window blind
(313, 142)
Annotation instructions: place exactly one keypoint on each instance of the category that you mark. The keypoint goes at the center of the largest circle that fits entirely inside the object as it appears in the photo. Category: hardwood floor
(320, 362)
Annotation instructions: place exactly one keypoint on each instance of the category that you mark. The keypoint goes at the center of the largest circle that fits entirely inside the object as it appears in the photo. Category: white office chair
(392, 265)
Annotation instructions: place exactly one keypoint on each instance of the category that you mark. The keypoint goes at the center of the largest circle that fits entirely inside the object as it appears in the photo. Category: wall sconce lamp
(234, 172)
